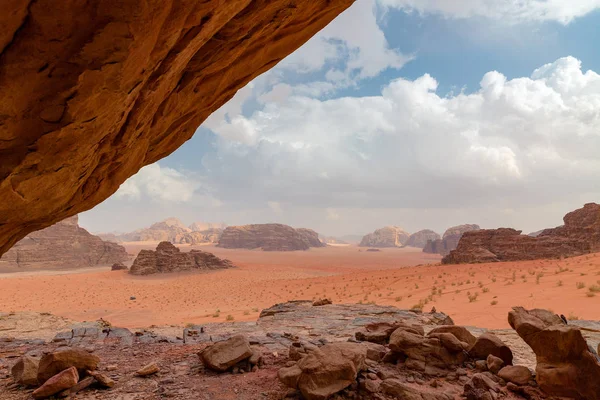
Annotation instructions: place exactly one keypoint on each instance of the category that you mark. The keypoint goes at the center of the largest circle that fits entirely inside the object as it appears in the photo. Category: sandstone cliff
(62, 245)
(449, 241)
(168, 258)
(420, 239)
(269, 237)
(579, 235)
(92, 91)
(390, 236)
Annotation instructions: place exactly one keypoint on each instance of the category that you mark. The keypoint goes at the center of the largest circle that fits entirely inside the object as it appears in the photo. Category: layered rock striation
(168, 258)
(579, 235)
(171, 230)
(91, 91)
(389, 236)
(62, 245)
(269, 237)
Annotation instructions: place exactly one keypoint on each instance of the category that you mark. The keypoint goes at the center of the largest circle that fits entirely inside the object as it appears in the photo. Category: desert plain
(474, 294)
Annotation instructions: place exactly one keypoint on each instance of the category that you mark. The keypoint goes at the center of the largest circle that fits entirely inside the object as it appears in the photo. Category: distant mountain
(171, 230)
(389, 236)
(269, 237)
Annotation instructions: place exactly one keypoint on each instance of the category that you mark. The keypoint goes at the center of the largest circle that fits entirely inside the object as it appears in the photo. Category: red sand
(341, 273)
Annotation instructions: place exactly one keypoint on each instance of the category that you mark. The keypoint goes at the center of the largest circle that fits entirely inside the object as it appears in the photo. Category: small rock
(59, 382)
(110, 368)
(487, 344)
(82, 384)
(494, 364)
(25, 371)
(149, 369)
(102, 379)
(132, 298)
(516, 374)
(223, 355)
(481, 365)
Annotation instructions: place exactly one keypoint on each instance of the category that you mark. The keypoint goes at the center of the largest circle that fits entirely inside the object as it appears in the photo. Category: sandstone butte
(420, 238)
(269, 237)
(389, 236)
(450, 240)
(168, 258)
(579, 235)
(62, 245)
(92, 91)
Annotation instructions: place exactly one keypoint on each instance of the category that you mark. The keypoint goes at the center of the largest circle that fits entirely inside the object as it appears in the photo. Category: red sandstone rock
(92, 91)
(389, 236)
(269, 237)
(168, 258)
(64, 244)
(63, 358)
(223, 355)
(565, 365)
(579, 235)
(65, 379)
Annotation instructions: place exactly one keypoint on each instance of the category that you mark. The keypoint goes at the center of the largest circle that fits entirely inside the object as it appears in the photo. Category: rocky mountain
(62, 245)
(580, 234)
(389, 236)
(269, 237)
(420, 239)
(449, 240)
(171, 230)
(168, 258)
(332, 240)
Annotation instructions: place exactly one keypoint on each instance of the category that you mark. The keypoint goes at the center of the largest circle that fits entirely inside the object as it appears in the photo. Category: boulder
(223, 355)
(64, 358)
(389, 236)
(168, 258)
(64, 244)
(565, 365)
(460, 332)
(268, 237)
(88, 104)
(326, 370)
(579, 235)
(65, 379)
(25, 371)
(481, 387)
(494, 364)
(321, 302)
(487, 344)
(516, 374)
(429, 355)
(379, 332)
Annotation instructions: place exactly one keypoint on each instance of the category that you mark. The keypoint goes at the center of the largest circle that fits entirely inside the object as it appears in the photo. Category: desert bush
(494, 302)
(580, 285)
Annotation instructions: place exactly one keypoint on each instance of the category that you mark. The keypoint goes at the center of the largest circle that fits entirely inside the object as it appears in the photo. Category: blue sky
(423, 114)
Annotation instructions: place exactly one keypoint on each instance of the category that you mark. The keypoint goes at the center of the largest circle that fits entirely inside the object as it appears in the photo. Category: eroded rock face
(565, 365)
(269, 237)
(86, 101)
(389, 236)
(171, 230)
(168, 258)
(63, 245)
(579, 235)
(450, 240)
(420, 239)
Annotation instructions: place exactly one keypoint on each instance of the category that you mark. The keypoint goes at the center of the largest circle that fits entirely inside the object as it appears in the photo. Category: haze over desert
(345, 274)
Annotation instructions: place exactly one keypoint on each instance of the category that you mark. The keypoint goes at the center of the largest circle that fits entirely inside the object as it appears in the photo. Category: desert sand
(478, 295)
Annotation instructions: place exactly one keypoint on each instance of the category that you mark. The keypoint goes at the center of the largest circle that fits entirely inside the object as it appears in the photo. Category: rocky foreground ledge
(298, 350)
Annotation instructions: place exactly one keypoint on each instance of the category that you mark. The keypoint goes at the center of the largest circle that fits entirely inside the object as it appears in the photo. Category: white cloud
(563, 11)
(529, 137)
(158, 183)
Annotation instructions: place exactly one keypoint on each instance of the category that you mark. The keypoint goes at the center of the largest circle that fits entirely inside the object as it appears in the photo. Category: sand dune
(472, 294)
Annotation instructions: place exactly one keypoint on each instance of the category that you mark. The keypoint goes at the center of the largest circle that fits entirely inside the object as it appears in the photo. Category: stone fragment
(223, 355)
(516, 374)
(148, 369)
(487, 344)
(81, 385)
(494, 364)
(102, 379)
(481, 387)
(321, 302)
(25, 371)
(63, 358)
(460, 332)
(63, 380)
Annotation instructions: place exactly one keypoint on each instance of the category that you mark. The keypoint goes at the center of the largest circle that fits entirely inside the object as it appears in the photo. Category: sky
(418, 113)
